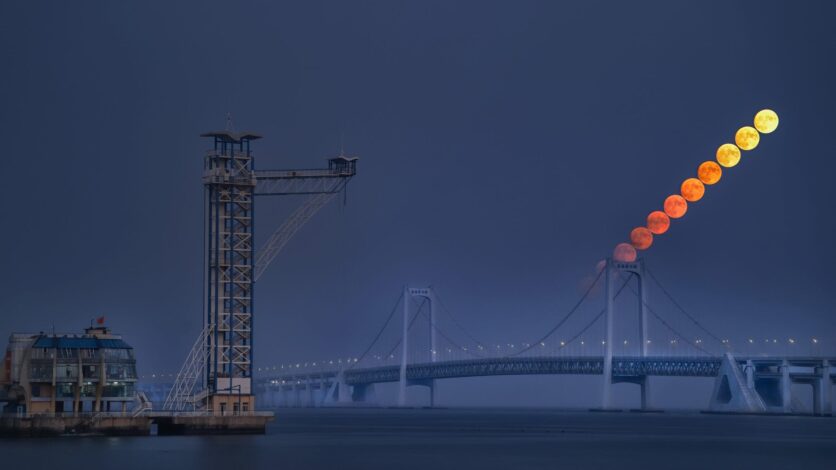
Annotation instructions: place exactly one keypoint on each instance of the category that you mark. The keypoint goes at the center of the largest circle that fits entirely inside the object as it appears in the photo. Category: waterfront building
(70, 374)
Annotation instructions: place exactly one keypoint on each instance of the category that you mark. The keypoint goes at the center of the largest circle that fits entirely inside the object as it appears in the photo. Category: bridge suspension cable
(601, 313)
(408, 328)
(380, 332)
(585, 328)
(679, 307)
(667, 325)
(564, 319)
(456, 322)
(450, 340)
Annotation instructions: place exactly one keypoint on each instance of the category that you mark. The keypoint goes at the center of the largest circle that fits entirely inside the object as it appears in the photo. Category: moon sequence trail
(692, 190)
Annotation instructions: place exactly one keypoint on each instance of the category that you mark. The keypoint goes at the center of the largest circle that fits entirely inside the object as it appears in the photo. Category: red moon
(641, 238)
(624, 252)
(709, 172)
(692, 189)
(658, 222)
(675, 206)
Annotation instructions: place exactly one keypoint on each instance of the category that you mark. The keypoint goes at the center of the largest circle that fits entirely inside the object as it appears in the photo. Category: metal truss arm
(280, 237)
(287, 182)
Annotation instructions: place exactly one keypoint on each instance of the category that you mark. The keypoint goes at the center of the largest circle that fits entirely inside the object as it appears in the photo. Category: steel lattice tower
(217, 374)
(229, 183)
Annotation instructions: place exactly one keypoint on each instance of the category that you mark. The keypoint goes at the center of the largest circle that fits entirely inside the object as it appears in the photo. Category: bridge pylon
(428, 294)
(635, 268)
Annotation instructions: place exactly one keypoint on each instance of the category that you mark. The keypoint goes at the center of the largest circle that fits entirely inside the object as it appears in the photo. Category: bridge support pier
(645, 393)
(786, 387)
(822, 391)
(344, 394)
(644, 383)
(734, 391)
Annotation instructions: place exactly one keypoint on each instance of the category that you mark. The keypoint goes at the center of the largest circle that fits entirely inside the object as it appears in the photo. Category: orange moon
(624, 252)
(766, 121)
(658, 222)
(747, 138)
(675, 206)
(709, 172)
(692, 189)
(641, 238)
(728, 155)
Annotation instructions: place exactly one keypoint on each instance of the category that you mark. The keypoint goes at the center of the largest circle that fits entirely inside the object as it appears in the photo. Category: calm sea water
(461, 439)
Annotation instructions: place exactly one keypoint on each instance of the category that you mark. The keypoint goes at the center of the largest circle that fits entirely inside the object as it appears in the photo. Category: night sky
(505, 148)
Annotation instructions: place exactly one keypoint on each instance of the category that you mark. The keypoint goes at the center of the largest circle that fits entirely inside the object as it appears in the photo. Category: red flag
(100, 320)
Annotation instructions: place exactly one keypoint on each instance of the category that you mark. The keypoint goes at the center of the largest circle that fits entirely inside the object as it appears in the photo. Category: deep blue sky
(505, 148)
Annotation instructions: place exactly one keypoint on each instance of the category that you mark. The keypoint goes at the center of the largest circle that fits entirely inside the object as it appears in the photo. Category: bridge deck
(622, 366)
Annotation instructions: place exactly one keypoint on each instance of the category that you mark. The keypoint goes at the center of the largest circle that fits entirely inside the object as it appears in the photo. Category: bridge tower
(428, 294)
(635, 268)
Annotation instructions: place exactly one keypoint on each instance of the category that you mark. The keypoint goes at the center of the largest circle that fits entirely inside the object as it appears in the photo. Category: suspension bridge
(744, 382)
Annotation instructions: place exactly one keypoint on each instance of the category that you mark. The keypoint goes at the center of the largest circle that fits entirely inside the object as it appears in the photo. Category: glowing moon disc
(658, 222)
(728, 155)
(675, 206)
(624, 252)
(709, 172)
(692, 189)
(641, 238)
(766, 121)
(747, 138)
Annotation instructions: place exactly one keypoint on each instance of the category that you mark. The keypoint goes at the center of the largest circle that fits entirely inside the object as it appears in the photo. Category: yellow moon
(766, 121)
(747, 138)
(728, 155)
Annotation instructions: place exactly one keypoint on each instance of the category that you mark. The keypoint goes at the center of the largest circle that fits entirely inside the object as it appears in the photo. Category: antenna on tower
(229, 125)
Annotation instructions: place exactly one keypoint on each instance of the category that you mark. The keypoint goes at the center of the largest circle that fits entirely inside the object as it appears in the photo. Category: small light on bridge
(562, 343)
(751, 341)
(791, 341)
(625, 341)
(815, 341)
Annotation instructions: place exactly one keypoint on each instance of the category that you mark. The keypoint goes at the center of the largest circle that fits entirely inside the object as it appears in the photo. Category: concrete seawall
(167, 424)
(44, 425)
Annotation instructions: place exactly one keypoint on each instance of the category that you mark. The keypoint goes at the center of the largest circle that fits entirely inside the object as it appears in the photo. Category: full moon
(641, 238)
(692, 189)
(747, 138)
(766, 121)
(675, 206)
(709, 172)
(728, 155)
(658, 222)
(624, 252)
